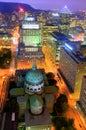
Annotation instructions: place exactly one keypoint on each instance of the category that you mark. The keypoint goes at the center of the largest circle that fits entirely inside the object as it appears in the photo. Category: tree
(63, 123)
(5, 57)
(70, 122)
(50, 75)
(61, 105)
(52, 82)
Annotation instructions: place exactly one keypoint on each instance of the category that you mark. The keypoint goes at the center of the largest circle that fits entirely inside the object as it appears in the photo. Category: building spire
(65, 10)
(34, 67)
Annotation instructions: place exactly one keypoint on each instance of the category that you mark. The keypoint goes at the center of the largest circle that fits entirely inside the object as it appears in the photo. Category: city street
(73, 112)
(4, 82)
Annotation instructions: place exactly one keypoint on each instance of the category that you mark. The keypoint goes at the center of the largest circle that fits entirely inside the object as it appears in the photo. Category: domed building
(34, 97)
(34, 82)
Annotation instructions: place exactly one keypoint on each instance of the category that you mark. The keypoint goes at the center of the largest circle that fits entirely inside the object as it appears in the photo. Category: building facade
(82, 99)
(73, 66)
(30, 37)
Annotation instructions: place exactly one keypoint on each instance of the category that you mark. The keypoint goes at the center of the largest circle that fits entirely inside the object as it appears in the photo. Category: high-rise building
(46, 30)
(65, 10)
(21, 14)
(30, 36)
(73, 66)
(82, 99)
(30, 32)
(55, 41)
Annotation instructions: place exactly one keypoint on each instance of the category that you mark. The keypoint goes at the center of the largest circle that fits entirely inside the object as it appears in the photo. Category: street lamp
(12, 71)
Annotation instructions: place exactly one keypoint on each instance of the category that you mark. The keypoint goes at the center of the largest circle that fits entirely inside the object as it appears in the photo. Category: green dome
(36, 101)
(34, 76)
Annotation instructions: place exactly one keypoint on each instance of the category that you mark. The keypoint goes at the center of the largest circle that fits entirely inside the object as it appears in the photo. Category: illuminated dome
(34, 76)
(33, 80)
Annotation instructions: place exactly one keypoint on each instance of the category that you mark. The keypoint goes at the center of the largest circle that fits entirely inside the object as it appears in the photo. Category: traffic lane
(72, 113)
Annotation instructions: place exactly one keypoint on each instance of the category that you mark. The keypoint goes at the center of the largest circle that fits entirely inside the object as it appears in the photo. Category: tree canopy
(61, 105)
(50, 75)
(5, 57)
(63, 123)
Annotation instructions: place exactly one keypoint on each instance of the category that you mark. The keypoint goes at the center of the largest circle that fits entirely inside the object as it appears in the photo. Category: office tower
(73, 66)
(30, 45)
(65, 10)
(82, 100)
(21, 14)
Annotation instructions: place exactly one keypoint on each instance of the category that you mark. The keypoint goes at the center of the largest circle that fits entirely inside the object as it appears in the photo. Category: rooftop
(78, 57)
(42, 119)
(59, 36)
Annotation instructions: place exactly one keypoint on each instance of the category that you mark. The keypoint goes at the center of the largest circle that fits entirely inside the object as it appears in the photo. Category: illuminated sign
(30, 26)
(31, 49)
(21, 10)
(68, 46)
(30, 18)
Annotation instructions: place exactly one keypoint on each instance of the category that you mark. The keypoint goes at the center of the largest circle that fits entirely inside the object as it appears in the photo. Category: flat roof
(34, 120)
(76, 57)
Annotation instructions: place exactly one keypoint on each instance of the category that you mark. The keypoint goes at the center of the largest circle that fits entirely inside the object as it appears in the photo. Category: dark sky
(53, 4)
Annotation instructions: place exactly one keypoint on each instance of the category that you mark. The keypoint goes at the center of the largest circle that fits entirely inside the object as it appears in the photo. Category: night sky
(53, 4)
